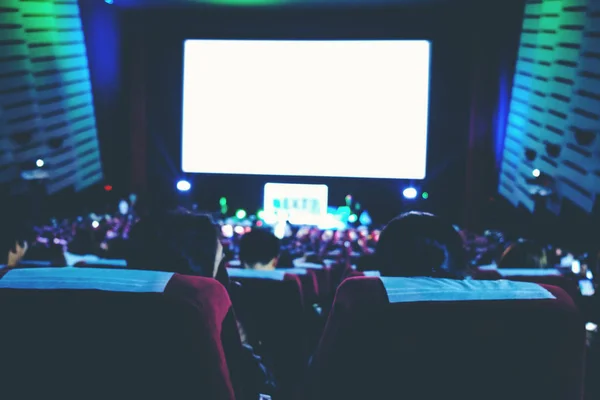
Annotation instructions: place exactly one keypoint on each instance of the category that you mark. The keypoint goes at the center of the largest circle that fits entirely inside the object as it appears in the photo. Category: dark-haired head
(421, 244)
(259, 249)
(176, 241)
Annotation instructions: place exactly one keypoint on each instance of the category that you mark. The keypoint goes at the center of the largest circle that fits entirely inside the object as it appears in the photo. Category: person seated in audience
(178, 241)
(13, 238)
(286, 258)
(259, 249)
(524, 254)
(418, 244)
(366, 262)
(188, 243)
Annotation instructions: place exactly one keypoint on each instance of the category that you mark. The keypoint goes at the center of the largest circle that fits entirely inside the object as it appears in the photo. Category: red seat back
(323, 274)
(381, 341)
(308, 282)
(78, 333)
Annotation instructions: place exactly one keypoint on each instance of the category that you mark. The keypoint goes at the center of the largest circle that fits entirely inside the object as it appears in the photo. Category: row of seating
(143, 333)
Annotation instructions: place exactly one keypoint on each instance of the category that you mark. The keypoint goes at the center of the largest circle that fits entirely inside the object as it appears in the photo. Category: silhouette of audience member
(524, 254)
(13, 238)
(176, 241)
(418, 244)
(260, 249)
(188, 243)
(366, 262)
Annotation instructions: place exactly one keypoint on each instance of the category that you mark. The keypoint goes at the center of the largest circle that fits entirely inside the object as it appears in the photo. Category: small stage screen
(343, 108)
(299, 204)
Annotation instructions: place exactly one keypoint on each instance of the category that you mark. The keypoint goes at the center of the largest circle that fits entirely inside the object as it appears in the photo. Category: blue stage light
(410, 193)
(183, 186)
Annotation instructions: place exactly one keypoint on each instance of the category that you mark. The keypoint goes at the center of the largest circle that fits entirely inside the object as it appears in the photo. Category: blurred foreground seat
(95, 333)
(425, 338)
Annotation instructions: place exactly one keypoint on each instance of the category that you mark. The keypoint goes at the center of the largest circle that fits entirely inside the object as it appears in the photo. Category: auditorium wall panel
(46, 102)
(554, 121)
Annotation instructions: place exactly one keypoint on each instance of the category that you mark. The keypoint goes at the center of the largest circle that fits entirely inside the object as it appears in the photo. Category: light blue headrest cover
(276, 275)
(112, 280)
(106, 261)
(293, 271)
(409, 290)
(528, 272)
(303, 264)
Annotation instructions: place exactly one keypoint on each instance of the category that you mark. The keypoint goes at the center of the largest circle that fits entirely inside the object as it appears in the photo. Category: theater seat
(354, 273)
(309, 284)
(323, 274)
(95, 333)
(425, 338)
(548, 276)
(315, 309)
(270, 305)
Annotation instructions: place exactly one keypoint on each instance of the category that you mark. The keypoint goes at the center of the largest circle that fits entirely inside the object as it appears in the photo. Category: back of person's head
(366, 262)
(175, 241)
(523, 254)
(259, 249)
(421, 244)
(13, 235)
(285, 259)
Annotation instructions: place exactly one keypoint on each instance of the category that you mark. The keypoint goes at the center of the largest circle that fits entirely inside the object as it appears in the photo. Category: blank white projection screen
(340, 108)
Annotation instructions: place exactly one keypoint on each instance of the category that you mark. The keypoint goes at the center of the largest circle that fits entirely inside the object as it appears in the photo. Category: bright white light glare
(587, 288)
(269, 218)
(589, 275)
(95, 224)
(320, 94)
(330, 221)
(410, 193)
(591, 327)
(576, 267)
(279, 230)
(39, 163)
(183, 186)
(536, 172)
(239, 230)
(567, 260)
(123, 207)
(227, 231)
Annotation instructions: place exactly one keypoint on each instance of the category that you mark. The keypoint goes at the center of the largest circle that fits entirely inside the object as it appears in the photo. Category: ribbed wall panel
(46, 103)
(555, 107)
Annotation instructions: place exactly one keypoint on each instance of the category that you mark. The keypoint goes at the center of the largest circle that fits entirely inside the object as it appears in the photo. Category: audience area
(224, 309)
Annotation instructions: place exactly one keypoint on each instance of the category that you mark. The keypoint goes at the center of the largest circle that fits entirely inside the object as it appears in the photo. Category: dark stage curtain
(494, 43)
(103, 37)
(136, 65)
